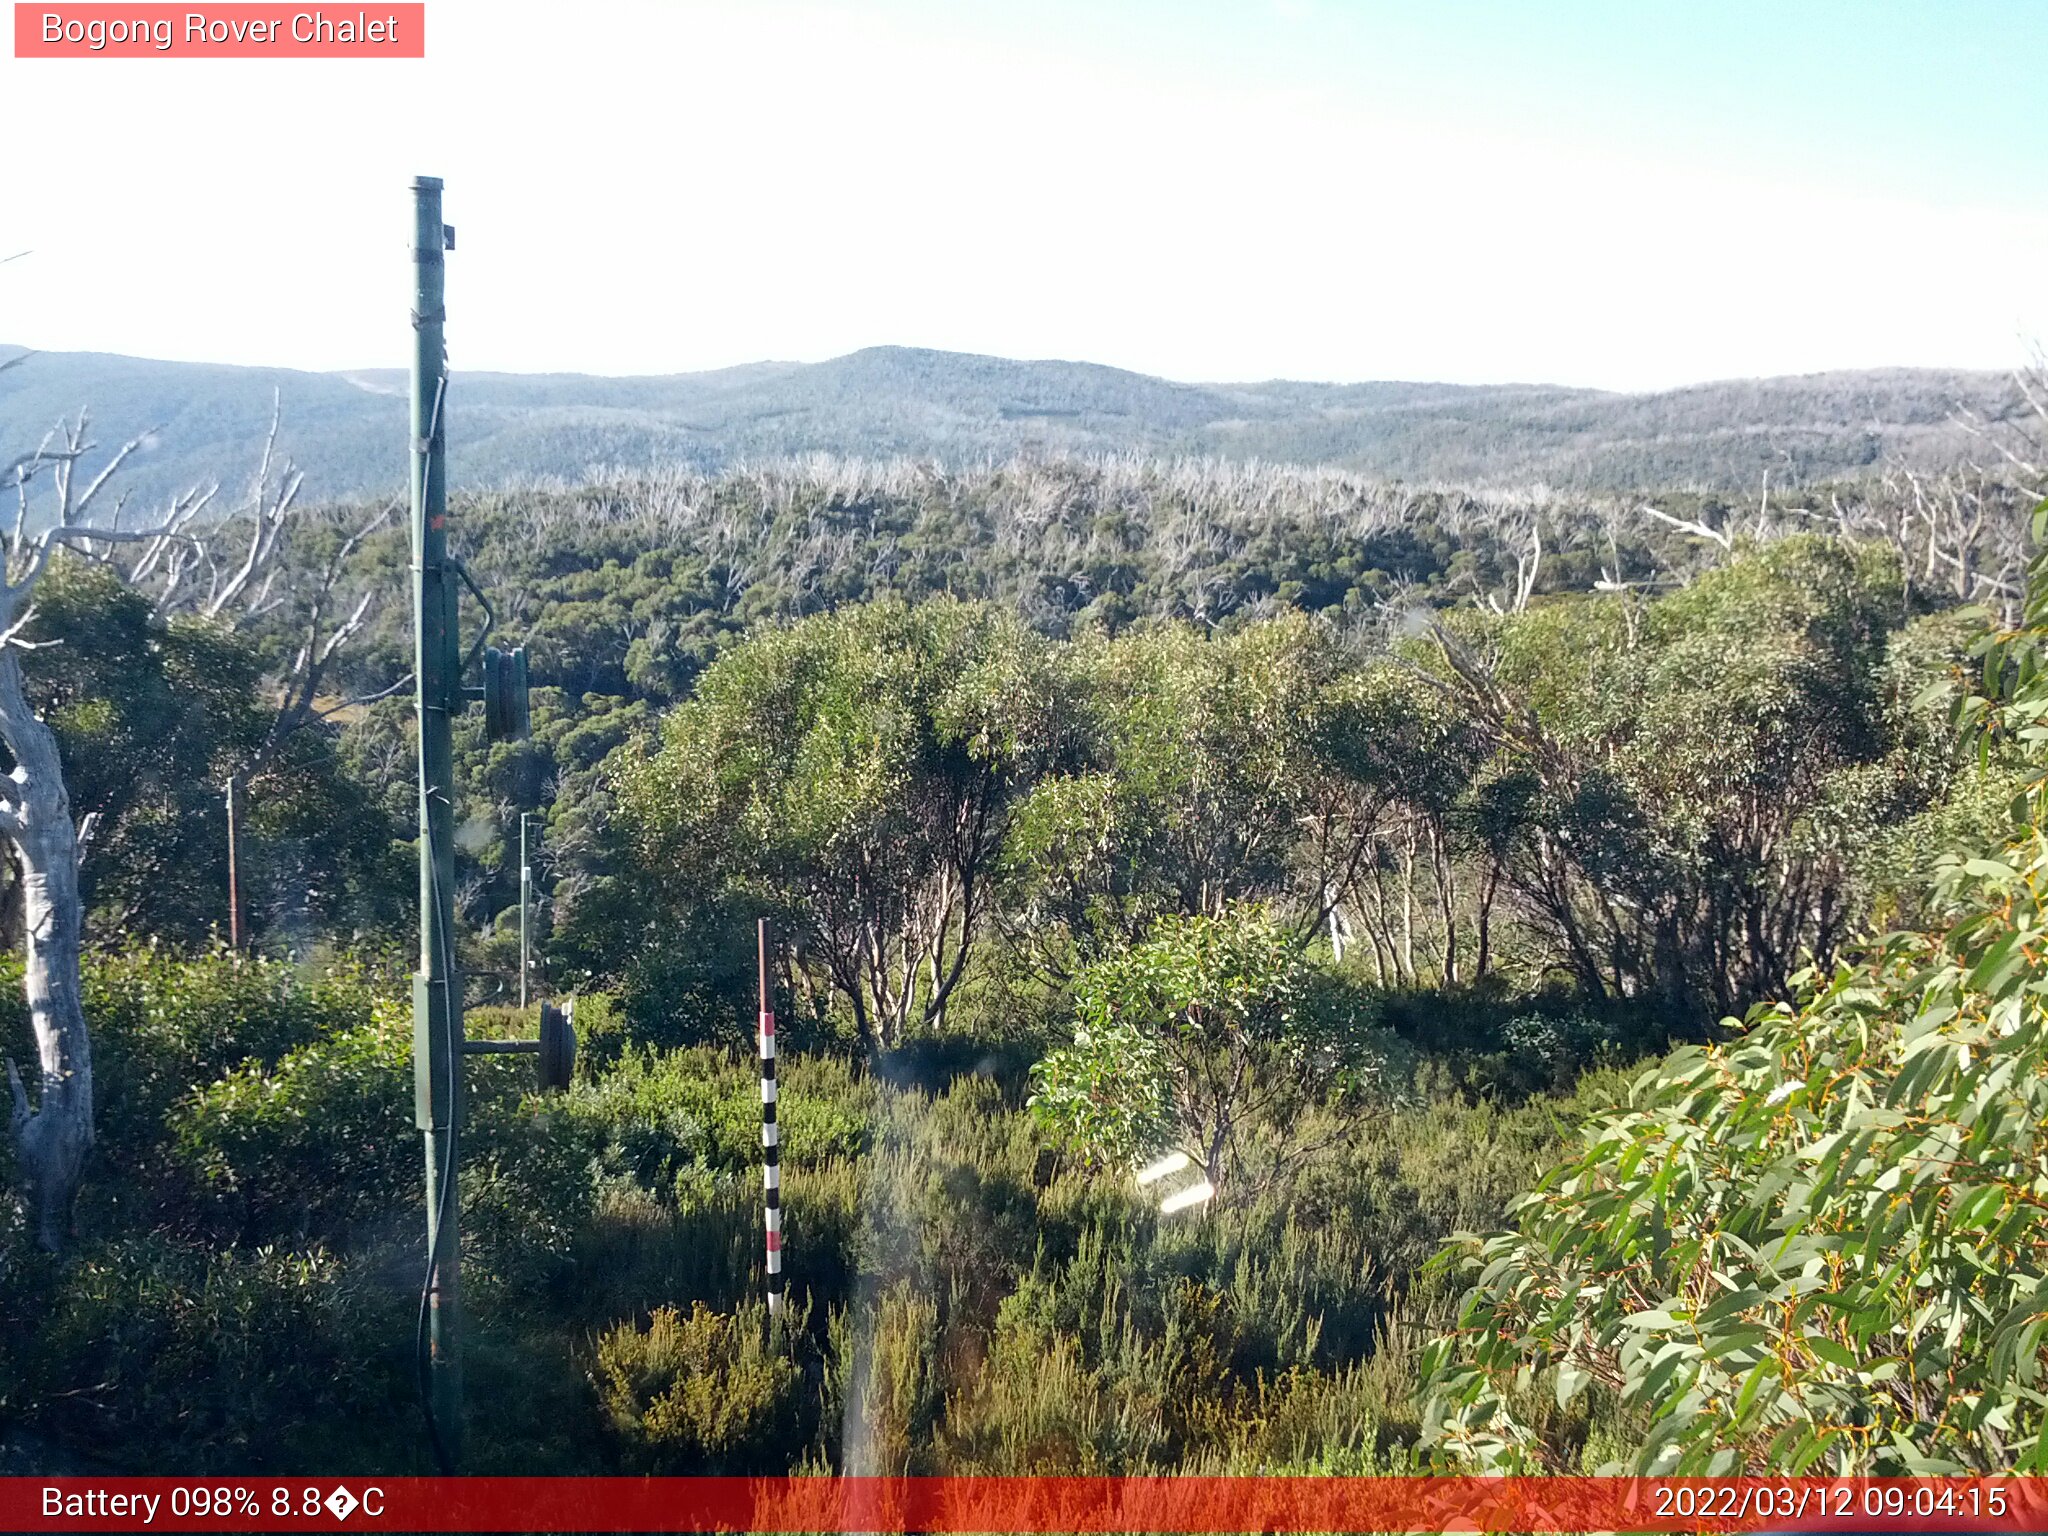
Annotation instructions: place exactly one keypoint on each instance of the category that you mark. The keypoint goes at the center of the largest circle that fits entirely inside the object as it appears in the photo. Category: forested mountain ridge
(347, 431)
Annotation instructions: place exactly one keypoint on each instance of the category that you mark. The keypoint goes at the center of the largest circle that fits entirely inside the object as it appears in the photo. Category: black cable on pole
(444, 1193)
(422, 1346)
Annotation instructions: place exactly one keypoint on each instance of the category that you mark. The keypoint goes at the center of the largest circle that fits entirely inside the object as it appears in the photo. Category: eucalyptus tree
(1819, 1245)
(1268, 762)
(1195, 742)
(1688, 780)
(855, 773)
(1217, 768)
(52, 1136)
(226, 570)
(1403, 758)
(1206, 1038)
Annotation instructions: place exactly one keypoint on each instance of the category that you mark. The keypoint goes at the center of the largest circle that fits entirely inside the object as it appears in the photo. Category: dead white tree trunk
(52, 1137)
(53, 1131)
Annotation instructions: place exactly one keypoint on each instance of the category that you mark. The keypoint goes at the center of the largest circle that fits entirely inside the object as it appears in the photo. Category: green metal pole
(437, 990)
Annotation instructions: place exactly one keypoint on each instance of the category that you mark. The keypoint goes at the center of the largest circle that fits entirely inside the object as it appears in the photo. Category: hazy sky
(1630, 195)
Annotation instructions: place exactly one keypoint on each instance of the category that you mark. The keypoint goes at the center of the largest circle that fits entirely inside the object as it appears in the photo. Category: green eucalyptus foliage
(152, 717)
(854, 776)
(1209, 1032)
(1184, 804)
(1820, 1246)
(1265, 763)
(1679, 787)
(148, 717)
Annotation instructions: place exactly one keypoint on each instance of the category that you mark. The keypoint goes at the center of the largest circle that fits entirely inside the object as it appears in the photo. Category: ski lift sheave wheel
(557, 1046)
(507, 707)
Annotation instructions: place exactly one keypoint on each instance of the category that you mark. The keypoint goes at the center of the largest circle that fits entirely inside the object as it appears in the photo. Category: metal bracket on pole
(555, 1049)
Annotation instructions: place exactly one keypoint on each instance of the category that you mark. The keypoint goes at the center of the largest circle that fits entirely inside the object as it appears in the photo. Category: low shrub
(152, 1354)
(166, 1026)
(319, 1143)
(707, 1392)
(323, 1145)
(890, 1388)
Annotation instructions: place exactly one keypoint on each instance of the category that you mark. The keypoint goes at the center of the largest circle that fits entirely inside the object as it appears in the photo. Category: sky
(1628, 196)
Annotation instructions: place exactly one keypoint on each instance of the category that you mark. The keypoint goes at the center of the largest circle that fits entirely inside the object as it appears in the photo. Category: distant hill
(347, 430)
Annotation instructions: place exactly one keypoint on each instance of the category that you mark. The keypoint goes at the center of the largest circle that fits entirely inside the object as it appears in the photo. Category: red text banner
(1025, 1504)
(227, 31)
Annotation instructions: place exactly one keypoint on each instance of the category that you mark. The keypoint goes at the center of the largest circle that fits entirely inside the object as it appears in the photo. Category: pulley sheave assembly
(554, 1052)
(508, 715)
(557, 1045)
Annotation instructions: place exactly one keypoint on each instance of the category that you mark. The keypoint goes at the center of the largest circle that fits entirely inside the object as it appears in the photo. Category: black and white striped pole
(771, 1141)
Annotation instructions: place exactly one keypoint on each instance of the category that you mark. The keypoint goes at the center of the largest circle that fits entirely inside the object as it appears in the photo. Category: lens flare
(1152, 1173)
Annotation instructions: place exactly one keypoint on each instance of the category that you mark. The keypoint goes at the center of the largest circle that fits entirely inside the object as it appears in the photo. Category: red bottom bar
(1024, 1504)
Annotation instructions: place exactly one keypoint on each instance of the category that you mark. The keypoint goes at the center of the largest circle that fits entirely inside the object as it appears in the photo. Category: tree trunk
(52, 1139)
(1382, 928)
(1486, 920)
(1446, 899)
(1408, 907)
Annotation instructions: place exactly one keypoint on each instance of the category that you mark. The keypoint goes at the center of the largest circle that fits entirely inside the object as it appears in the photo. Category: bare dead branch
(1687, 525)
(362, 699)
(11, 635)
(113, 464)
(49, 539)
(346, 629)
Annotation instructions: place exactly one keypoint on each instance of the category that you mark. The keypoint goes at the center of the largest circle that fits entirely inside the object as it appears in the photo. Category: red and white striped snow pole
(771, 1141)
